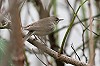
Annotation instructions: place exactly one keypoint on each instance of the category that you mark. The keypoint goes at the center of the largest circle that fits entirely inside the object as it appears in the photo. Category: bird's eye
(57, 19)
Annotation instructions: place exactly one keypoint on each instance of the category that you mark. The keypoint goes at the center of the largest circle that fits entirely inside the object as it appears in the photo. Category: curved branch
(56, 55)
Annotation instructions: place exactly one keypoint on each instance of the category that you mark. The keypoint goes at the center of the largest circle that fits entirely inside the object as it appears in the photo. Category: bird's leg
(40, 38)
(35, 37)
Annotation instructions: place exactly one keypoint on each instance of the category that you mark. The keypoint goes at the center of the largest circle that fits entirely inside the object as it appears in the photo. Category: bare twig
(79, 18)
(84, 44)
(39, 58)
(70, 27)
(75, 52)
(55, 54)
(91, 42)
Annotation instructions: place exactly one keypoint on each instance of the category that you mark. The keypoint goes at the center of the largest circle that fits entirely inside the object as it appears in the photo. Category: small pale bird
(42, 27)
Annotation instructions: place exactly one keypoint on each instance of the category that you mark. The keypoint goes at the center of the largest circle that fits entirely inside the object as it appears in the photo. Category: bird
(42, 27)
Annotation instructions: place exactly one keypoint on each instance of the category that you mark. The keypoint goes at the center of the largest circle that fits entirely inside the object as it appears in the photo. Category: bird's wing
(39, 26)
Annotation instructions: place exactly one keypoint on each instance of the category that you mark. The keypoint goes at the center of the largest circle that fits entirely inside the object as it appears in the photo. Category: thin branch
(79, 18)
(75, 52)
(91, 42)
(85, 43)
(39, 58)
(69, 28)
(55, 54)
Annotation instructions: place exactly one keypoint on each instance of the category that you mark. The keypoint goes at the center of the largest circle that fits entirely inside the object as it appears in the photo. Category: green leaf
(3, 46)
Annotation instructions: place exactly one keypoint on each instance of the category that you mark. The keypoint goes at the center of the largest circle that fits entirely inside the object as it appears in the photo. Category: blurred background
(33, 10)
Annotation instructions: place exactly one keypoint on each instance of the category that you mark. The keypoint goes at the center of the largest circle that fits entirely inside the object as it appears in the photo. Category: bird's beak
(61, 19)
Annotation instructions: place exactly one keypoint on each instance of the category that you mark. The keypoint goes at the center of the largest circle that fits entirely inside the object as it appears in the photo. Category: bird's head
(56, 20)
